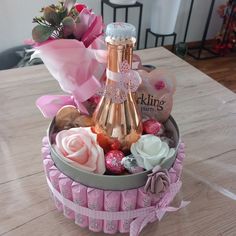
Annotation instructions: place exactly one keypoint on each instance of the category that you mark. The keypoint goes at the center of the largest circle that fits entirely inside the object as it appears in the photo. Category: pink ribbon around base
(141, 216)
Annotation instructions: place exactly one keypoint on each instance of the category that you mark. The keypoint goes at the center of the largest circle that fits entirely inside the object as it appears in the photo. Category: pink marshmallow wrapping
(134, 205)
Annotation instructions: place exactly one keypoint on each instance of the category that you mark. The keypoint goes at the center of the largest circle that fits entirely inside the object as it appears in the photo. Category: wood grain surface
(205, 112)
(221, 69)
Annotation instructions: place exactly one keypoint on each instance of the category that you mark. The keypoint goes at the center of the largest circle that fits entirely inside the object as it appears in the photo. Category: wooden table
(205, 112)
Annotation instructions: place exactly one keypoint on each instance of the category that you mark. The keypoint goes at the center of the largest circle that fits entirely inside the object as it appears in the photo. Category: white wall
(16, 17)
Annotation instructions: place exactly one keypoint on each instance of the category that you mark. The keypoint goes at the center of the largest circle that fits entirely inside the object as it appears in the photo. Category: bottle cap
(120, 31)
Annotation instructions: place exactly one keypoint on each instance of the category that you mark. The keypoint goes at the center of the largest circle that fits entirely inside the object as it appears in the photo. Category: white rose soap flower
(150, 151)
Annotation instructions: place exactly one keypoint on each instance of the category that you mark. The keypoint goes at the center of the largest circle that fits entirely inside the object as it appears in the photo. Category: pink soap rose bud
(79, 147)
(151, 126)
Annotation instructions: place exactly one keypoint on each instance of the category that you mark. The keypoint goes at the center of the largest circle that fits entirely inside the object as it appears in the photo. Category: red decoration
(80, 7)
(116, 145)
(107, 143)
(226, 39)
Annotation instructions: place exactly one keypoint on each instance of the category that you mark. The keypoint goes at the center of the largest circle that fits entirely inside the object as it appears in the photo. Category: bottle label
(153, 106)
(155, 95)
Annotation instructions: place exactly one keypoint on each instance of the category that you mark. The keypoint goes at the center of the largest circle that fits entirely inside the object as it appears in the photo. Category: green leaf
(68, 21)
(68, 26)
(41, 33)
(62, 13)
(51, 16)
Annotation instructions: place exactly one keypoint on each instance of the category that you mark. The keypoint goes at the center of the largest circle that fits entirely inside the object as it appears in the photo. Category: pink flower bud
(79, 7)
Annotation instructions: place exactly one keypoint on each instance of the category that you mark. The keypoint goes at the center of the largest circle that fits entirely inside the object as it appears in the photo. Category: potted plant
(164, 15)
(123, 2)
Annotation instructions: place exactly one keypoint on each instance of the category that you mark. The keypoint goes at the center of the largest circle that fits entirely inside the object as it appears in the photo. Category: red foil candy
(151, 126)
(113, 162)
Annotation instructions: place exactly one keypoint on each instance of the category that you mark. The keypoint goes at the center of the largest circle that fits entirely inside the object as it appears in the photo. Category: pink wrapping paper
(64, 59)
(144, 199)
(79, 193)
(95, 202)
(111, 203)
(54, 174)
(128, 202)
(65, 188)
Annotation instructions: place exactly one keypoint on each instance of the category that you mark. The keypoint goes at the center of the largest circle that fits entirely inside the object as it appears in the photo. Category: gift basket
(112, 155)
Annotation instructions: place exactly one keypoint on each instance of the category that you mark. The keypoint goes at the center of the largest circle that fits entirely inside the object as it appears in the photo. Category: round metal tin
(108, 182)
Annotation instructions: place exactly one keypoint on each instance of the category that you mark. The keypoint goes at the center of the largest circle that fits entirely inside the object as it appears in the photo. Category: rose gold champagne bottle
(118, 120)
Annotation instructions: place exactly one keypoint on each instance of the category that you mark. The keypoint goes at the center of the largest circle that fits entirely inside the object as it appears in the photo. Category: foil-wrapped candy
(131, 165)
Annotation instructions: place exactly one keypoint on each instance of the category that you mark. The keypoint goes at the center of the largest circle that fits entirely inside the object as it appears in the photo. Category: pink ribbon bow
(157, 212)
(49, 105)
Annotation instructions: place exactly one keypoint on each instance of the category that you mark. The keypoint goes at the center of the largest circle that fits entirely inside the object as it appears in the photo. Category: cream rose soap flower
(149, 151)
(79, 147)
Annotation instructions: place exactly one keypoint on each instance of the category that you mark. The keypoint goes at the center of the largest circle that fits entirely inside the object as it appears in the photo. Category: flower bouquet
(69, 37)
(115, 172)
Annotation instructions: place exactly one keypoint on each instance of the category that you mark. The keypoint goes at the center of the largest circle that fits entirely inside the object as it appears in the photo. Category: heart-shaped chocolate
(155, 95)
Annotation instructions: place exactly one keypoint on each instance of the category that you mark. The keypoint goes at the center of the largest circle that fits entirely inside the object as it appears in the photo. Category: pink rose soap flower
(79, 146)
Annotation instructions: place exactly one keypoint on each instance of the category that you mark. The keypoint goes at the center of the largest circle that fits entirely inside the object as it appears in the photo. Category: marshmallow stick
(95, 202)
(65, 188)
(79, 193)
(54, 174)
(45, 152)
(111, 203)
(45, 148)
(144, 199)
(128, 202)
(47, 164)
(45, 141)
